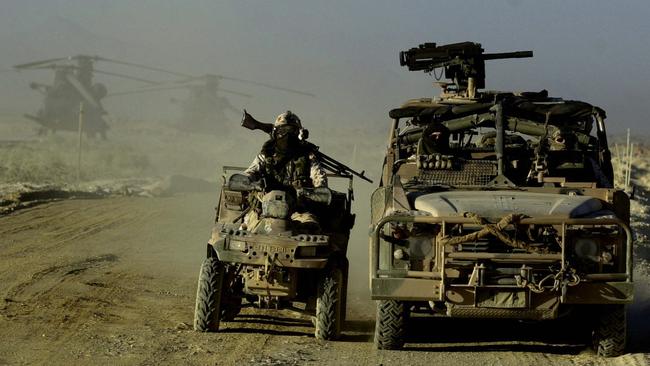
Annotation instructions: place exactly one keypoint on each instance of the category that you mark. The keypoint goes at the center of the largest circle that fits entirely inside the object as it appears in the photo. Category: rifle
(329, 163)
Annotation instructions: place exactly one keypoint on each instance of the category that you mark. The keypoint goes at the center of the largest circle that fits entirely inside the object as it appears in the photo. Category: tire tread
(208, 296)
(610, 332)
(329, 306)
(390, 324)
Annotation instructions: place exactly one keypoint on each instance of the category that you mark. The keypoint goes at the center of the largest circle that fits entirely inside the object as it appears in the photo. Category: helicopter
(205, 108)
(73, 86)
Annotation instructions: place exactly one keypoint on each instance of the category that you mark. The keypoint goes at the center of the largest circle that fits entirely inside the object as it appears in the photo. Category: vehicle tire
(609, 335)
(208, 296)
(390, 324)
(329, 305)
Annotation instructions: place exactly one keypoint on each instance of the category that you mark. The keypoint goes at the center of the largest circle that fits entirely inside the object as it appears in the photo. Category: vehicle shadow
(353, 330)
(358, 331)
(564, 336)
(254, 323)
(272, 319)
(274, 332)
(258, 323)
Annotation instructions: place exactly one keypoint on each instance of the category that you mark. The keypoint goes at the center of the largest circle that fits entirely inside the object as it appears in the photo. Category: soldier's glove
(242, 183)
(318, 195)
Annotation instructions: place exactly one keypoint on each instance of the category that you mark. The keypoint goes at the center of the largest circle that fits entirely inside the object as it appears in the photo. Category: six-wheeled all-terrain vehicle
(497, 205)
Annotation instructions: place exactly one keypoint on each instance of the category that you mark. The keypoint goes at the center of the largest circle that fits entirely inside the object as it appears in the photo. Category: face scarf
(286, 143)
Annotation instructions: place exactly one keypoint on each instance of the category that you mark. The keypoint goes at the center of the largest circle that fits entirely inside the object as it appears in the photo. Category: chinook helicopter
(73, 85)
(205, 108)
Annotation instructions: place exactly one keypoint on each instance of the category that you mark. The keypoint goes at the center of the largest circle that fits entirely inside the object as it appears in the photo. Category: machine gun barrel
(337, 166)
(504, 55)
(429, 58)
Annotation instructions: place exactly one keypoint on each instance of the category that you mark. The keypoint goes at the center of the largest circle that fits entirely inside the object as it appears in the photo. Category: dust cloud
(639, 331)
(345, 54)
(640, 209)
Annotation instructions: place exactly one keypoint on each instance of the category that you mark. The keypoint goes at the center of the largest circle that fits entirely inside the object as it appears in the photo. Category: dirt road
(112, 281)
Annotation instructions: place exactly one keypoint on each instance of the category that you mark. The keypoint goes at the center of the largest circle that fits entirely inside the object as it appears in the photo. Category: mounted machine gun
(463, 62)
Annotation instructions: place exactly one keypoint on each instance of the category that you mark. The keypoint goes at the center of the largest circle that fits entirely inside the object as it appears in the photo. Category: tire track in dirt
(76, 286)
(59, 274)
(79, 305)
(64, 300)
(68, 227)
(35, 221)
(78, 316)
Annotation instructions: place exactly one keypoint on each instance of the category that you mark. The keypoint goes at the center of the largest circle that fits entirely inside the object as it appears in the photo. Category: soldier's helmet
(288, 123)
(287, 118)
(562, 139)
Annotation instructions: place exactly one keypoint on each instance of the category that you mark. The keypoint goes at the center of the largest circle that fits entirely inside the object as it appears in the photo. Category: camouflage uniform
(289, 167)
(294, 171)
(287, 164)
(435, 139)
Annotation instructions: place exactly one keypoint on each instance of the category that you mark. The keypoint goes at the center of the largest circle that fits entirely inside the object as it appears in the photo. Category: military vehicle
(278, 262)
(73, 85)
(497, 205)
(205, 108)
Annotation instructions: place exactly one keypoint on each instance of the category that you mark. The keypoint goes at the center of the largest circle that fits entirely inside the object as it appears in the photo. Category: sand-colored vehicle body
(276, 264)
(514, 217)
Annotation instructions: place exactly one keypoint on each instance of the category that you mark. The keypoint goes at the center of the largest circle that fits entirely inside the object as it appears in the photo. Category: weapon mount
(463, 63)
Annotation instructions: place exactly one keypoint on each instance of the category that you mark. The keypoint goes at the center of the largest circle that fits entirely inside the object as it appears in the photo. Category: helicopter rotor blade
(124, 76)
(99, 58)
(189, 79)
(96, 71)
(171, 87)
(88, 97)
(30, 65)
(206, 76)
(147, 90)
(266, 85)
(235, 92)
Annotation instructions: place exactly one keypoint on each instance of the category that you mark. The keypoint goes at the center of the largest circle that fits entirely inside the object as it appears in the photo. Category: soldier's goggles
(284, 130)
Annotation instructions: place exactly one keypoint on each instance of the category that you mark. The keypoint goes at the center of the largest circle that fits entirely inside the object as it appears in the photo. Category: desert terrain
(103, 270)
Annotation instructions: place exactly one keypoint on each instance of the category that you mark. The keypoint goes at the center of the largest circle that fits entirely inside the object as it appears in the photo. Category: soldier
(435, 139)
(285, 162)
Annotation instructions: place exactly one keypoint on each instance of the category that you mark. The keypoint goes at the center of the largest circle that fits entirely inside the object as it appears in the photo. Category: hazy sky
(344, 52)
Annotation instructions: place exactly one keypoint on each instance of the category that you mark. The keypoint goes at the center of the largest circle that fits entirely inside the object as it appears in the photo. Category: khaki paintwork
(450, 280)
(273, 264)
